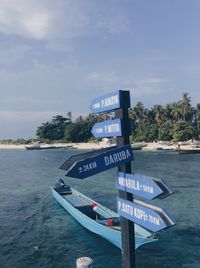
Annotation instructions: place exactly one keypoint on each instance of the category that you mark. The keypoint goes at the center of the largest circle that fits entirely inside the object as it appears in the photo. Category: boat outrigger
(95, 217)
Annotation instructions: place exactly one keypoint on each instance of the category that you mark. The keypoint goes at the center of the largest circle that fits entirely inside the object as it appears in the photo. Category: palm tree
(139, 112)
(69, 116)
(160, 114)
(168, 111)
(58, 120)
(185, 107)
(176, 112)
(197, 112)
(197, 117)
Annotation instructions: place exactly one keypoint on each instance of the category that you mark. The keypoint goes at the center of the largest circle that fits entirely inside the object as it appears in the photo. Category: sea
(35, 231)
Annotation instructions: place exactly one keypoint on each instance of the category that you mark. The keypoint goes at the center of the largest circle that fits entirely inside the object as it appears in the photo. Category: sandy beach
(100, 145)
(81, 146)
(12, 146)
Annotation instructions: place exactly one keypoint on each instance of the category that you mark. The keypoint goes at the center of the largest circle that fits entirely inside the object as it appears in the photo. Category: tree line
(177, 121)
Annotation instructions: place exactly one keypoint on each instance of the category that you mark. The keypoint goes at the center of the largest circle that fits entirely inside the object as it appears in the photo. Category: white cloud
(58, 19)
(25, 18)
(37, 25)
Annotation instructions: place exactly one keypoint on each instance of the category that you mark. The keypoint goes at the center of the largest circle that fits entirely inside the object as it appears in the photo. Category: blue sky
(56, 56)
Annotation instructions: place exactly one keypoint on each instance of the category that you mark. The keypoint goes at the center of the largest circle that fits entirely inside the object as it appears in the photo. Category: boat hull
(112, 235)
(188, 151)
(42, 147)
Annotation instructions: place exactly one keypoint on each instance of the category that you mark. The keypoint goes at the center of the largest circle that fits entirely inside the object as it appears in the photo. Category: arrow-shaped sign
(75, 158)
(140, 185)
(106, 102)
(109, 128)
(150, 217)
(110, 101)
(100, 162)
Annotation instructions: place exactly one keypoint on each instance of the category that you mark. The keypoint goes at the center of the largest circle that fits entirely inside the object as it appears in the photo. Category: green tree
(177, 121)
(138, 116)
(176, 112)
(183, 131)
(168, 111)
(138, 113)
(160, 114)
(197, 112)
(53, 130)
(146, 132)
(197, 119)
(185, 107)
(164, 132)
(80, 130)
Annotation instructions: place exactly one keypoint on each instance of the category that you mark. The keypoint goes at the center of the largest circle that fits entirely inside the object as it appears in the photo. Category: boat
(33, 146)
(164, 149)
(188, 151)
(95, 217)
(37, 146)
(137, 145)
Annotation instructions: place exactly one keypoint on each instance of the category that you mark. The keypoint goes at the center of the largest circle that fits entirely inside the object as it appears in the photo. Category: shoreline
(81, 146)
(151, 146)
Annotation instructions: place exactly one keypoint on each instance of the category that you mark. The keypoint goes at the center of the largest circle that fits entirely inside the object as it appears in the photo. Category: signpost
(150, 217)
(127, 226)
(143, 186)
(82, 166)
(109, 128)
(101, 162)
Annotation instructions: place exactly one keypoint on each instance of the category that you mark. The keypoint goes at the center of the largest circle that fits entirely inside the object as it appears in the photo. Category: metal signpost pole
(128, 233)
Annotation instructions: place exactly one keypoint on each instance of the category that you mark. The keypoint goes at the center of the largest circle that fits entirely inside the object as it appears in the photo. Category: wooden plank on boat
(148, 216)
(101, 162)
(144, 186)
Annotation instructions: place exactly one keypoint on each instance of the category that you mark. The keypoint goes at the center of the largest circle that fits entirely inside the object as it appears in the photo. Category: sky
(57, 56)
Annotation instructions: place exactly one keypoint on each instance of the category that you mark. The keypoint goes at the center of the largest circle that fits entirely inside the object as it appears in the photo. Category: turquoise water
(36, 231)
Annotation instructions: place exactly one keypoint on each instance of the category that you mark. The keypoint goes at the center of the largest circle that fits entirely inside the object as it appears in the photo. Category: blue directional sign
(106, 102)
(143, 186)
(103, 161)
(150, 217)
(109, 128)
(78, 157)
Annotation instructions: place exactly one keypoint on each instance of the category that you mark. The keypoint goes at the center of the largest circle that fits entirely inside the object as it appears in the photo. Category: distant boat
(134, 147)
(138, 146)
(166, 149)
(33, 146)
(97, 218)
(37, 146)
(188, 151)
(160, 150)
